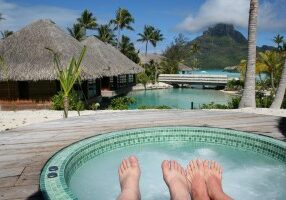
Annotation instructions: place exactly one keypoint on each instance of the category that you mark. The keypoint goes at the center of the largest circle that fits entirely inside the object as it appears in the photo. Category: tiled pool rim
(69, 159)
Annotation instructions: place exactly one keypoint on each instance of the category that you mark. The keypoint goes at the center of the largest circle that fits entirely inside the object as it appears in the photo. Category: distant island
(220, 46)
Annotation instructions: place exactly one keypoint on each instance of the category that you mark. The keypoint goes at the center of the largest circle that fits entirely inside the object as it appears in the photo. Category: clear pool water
(180, 98)
(247, 175)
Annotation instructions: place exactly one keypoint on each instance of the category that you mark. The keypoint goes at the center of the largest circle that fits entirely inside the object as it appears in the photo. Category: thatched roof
(117, 62)
(144, 59)
(183, 67)
(158, 58)
(26, 56)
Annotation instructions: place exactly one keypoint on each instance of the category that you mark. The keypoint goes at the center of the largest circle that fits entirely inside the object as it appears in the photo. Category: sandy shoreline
(231, 92)
(14, 119)
(151, 86)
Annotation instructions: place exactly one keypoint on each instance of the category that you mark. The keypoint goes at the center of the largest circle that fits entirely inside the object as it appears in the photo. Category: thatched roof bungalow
(144, 59)
(184, 69)
(121, 69)
(27, 59)
(29, 71)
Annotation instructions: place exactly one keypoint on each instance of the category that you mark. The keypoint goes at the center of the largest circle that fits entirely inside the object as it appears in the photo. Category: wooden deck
(24, 151)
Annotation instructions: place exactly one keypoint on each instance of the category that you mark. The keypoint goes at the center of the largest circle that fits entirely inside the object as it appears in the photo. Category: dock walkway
(194, 79)
(24, 150)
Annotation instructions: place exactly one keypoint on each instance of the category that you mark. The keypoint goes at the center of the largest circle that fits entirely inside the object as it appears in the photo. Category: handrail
(193, 78)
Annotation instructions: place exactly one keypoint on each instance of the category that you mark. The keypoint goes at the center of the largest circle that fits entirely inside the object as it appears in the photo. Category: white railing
(193, 78)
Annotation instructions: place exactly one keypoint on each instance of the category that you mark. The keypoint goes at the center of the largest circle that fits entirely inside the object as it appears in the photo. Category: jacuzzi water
(247, 175)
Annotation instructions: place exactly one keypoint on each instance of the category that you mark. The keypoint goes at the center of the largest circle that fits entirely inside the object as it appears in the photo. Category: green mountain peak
(220, 46)
(221, 30)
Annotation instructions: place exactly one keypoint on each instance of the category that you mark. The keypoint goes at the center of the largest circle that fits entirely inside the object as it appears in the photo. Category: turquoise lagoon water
(180, 98)
(217, 72)
(228, 74)
(247, 175)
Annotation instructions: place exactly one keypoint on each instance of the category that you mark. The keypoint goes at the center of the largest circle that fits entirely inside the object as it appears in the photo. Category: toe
(199, 164)
(176, 166)
(217, 167)
(212, 166)
(191, 165)
(195, 166)
(125, 166)
(182, 171)
(165, 166)
(121, 169)
(133, 161)
(173, 163)
(206, 164)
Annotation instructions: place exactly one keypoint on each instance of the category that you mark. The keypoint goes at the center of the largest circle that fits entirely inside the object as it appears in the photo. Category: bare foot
(129, 175)
(174, 176)
(213, 177)
(196, 180)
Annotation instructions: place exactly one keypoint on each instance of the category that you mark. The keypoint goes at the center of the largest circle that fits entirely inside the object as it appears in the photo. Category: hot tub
(254, 166)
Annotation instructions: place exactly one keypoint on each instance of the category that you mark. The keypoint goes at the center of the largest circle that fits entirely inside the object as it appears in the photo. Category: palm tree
(87, 21)
(6, 33)
(68, 76)
(279, 96)
(77, 31)
(259, 68)
(272, 60)
(278, 39)
(195, 48)
(157, 37)
(168, 66)
(105, 34)
(122, 21)
(248, 95)
(127, 48)
(147, 36)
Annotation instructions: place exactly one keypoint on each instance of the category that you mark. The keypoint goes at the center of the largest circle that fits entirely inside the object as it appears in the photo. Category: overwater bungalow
(28, 74)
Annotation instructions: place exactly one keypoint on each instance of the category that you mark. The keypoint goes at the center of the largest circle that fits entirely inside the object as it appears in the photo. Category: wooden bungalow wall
(27, 90)
(8, 90)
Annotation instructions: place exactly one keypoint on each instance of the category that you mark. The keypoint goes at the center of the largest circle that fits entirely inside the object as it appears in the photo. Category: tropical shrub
(121, 103)
(262, 100)
(68, 76)
(142, 78)
(234, 85)
(213, 105)
(234, 102)
(74, 102)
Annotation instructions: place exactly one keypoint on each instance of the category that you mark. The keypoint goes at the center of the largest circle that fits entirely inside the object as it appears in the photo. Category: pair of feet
(201, 180)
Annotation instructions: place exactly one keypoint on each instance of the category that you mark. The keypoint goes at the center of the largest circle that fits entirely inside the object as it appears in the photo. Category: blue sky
(190, 17)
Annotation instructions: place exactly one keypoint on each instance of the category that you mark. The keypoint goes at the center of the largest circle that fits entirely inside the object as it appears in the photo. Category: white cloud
(19, 16)
(235, 12)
